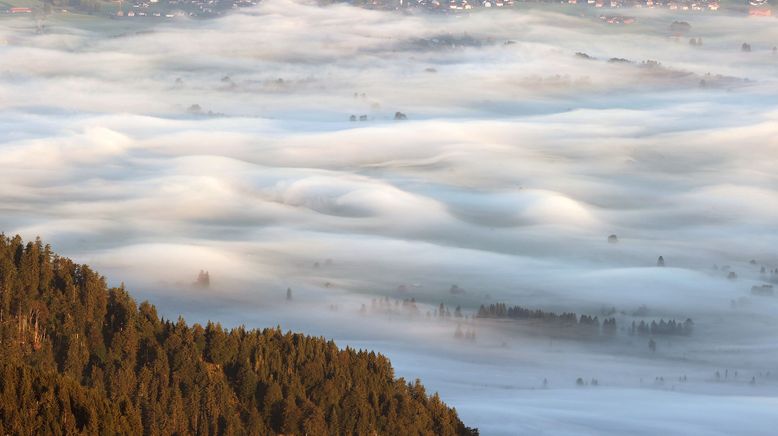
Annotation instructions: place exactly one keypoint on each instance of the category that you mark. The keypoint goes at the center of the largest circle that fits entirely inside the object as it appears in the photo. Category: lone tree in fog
(289, 294)
(660, 261)
(613, 239)
(458, 333)
(652, 345)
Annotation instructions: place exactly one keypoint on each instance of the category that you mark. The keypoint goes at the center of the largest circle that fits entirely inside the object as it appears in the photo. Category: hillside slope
(78, 357)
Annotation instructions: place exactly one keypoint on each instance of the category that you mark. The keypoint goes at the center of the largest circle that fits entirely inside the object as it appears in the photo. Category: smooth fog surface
(152, 152)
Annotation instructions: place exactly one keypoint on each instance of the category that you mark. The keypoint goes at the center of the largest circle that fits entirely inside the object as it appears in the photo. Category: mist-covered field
(152, 152)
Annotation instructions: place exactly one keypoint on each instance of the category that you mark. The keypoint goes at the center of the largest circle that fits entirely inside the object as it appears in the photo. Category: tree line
(606, 327)
(671, 327)
(503, 311)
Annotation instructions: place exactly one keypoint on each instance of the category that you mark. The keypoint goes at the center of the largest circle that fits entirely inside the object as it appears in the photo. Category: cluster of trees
(444, 312)
(409, 307)
(663, 327)
(581, 382)
(680, 27)
(78, 357)
(501, 310)
(695, 41)
(468, 333)
(385, 305)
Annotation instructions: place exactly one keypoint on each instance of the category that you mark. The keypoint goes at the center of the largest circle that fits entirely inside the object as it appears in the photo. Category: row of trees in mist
(671, 327)
(80, 358)
(409, 307)
(569, 319)
(503, 311)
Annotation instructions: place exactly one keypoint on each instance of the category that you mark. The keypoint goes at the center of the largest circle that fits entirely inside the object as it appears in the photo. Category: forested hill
(78, 357)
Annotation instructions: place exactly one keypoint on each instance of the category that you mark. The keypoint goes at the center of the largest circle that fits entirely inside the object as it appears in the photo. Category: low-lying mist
(378, 165)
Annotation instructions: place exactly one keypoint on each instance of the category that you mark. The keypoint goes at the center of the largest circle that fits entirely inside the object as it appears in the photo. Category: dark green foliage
(78, 357)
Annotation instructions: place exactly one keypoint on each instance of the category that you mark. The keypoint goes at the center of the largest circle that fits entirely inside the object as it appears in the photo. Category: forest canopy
(80, 357)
